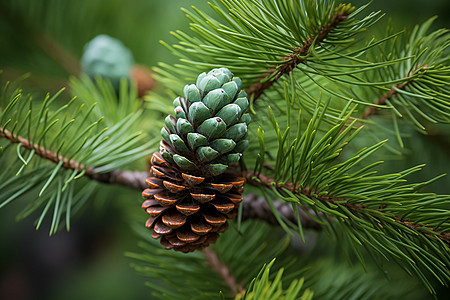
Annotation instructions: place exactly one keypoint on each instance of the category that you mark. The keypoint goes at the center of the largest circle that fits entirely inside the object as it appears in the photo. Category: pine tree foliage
(231, 251)
(260, 33)
(322, 40)
(262, 288)
(248, 255)
(415, 87)
(380, 209)
(313, 75)
(52, 146)
(288, 60)
(108, 104)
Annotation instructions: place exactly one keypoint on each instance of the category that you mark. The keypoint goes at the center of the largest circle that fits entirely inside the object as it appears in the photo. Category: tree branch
(130, 179)
(254, 207)
(41, 151)
(294, 59)
(371, 110)
(263, 180)
(217, 266)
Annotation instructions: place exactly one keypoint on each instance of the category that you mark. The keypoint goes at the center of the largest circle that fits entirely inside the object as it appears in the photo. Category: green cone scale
(194, 186)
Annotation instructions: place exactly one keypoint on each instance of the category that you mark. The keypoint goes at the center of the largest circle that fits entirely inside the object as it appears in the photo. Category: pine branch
(297, 57)
(254, 207)
(371, 110)
(217, 266)
(41, 151)
(74, 148)
(132, 179)
(266, 181)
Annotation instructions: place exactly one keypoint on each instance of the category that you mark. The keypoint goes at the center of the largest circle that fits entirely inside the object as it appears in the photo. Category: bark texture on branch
(257, 208)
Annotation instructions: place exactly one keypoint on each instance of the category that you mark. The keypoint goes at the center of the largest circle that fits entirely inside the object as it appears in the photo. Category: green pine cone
(207, 134)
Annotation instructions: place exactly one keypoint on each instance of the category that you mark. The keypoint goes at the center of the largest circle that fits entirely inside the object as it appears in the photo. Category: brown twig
(217, 266)
(254, 208)
(371, 110)
(41, 151)
(295, 58)
(132, 179)
(261, 179)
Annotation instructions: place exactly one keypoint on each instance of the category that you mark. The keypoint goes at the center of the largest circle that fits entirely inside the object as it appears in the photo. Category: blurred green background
(88, 262)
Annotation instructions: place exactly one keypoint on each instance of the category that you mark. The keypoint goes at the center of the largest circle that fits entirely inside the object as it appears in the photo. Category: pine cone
(194, 187)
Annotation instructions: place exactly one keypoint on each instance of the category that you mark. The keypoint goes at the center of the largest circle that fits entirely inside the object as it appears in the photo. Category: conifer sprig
(242, 252)
(418, 86)
(49, 149)
(370, 210)
(262, 40)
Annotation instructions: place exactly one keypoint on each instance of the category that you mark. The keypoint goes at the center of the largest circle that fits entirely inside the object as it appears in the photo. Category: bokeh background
(46, 38)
